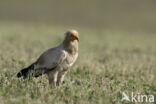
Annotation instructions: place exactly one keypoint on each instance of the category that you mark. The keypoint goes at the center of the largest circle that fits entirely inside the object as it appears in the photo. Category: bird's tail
(26, 71)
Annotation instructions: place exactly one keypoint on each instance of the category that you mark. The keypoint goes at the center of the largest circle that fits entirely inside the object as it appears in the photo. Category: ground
(110, 62)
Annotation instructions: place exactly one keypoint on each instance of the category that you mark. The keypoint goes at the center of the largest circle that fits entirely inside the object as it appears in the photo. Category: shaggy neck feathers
(71, 46)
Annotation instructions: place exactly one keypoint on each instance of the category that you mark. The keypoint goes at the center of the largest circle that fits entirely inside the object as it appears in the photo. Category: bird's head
(71, 41)
(72, 35)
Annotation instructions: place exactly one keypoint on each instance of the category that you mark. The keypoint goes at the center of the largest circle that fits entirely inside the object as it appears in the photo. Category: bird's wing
(51, 58)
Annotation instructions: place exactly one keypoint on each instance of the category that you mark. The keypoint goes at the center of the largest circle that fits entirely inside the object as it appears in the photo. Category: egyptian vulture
(55, 62)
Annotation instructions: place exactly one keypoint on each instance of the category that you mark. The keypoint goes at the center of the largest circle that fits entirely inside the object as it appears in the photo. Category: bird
(55, 62)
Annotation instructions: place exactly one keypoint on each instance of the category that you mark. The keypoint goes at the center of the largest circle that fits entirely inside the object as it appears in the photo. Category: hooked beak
(76, 35)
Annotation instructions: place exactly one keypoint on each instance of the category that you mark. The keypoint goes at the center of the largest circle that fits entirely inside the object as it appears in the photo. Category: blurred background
(133, 15)
(117, 49)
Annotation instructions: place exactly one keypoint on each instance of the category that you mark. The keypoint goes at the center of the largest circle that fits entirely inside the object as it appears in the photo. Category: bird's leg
(60, 77)
(53, 77)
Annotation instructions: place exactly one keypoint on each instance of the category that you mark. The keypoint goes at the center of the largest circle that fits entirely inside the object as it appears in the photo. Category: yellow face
(74, 36)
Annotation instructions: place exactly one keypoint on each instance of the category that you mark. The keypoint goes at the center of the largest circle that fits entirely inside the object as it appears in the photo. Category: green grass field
(109, 62)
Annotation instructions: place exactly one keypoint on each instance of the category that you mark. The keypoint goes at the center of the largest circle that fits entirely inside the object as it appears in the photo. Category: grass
(110, 62)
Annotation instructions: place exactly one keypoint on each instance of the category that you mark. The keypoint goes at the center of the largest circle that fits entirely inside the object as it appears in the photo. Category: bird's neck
(71, 46)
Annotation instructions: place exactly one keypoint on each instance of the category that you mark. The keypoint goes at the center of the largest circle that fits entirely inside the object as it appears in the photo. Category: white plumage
(55, 62)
